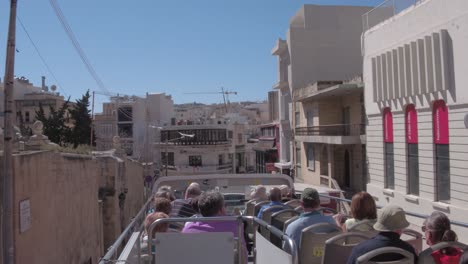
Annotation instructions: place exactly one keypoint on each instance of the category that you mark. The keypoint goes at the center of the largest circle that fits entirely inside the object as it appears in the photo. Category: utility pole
(92, 123)
(8, 182)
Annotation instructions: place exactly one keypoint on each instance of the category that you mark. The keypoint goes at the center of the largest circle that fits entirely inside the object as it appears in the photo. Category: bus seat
(407, 257)
(300, 209)
(289, 221)
(211, 248)
(258, 206)
(266, 216)
(312, 243)
(250, 208)
(426, 257)
(278, 219)
(338, 249)
(413, 237)
(293, 203)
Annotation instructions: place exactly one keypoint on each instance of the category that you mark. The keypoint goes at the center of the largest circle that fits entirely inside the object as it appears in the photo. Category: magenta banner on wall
(440, 122)
(388, 125)
(411, 124)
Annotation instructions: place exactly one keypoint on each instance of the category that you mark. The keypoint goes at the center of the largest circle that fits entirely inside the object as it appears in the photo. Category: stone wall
(75, 211)
(65, 224)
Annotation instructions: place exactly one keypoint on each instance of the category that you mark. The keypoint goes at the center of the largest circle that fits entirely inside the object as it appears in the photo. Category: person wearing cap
(275, 199)
(390, 223)
(310, 201)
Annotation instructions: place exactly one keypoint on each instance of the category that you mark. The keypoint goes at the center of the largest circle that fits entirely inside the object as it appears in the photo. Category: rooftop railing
(384, 11)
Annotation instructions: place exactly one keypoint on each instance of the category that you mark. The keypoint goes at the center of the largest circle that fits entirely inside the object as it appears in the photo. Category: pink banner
(440, 120)
(411, 122)
(388, 125)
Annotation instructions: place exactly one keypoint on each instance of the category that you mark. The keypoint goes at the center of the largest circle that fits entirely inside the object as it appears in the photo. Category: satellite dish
(53, 87)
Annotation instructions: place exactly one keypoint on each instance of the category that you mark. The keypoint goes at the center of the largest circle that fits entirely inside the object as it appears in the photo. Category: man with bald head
(275, 198)
(183, 207)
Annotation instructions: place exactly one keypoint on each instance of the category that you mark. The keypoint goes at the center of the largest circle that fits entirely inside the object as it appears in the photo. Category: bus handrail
(112, 250)
(457, 223)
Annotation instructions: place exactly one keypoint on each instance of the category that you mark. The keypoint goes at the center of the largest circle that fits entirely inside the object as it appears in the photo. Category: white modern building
(203, 149)
(415, 75)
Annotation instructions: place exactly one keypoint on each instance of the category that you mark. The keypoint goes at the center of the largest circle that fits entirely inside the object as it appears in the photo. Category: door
(346, 120)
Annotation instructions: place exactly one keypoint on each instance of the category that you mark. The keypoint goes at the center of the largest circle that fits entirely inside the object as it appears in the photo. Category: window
(230, 134)
(26, 116)
(239, 138)
(310, 117)
(442, 150)
(388, 149)
(170, 161)
(411, 127)
(220, 159)
(311, 157)
(298, 160)
(195, 160)
(297, 120)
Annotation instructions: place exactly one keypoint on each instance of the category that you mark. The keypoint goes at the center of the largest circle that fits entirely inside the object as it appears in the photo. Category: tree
(80, 114)
(55, 127)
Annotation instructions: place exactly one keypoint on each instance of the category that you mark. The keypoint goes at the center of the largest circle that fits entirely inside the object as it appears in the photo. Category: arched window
(388, 149)
(411, 129)
(442, 150)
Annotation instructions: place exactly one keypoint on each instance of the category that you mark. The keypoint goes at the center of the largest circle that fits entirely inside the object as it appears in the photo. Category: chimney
(43, 83)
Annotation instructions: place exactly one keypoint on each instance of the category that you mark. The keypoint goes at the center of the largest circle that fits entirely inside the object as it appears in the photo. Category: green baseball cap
(310, 194)
(391, 218)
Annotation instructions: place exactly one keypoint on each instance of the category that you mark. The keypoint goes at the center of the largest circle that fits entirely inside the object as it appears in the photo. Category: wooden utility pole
(7, 181)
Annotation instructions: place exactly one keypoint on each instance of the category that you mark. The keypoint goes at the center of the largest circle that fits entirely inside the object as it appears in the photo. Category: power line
(58, 12)
(41, 57)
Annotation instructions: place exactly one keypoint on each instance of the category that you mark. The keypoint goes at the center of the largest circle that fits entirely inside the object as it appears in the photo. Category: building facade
(134, 120)
(416, 103)
(322, 49)
(330, 135)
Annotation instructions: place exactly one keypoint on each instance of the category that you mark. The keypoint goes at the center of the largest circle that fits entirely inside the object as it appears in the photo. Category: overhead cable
(58, 12)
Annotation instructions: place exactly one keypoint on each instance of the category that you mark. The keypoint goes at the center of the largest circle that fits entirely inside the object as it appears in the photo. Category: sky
(173, 46)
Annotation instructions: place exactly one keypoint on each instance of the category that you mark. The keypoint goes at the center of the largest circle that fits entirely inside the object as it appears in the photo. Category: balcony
(281, 85)
(338, 134)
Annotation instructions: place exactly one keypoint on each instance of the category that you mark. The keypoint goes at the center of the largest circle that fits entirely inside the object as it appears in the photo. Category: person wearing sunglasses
(437, 229)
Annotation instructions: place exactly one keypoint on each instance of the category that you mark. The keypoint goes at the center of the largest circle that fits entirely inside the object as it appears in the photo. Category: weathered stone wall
(65, 218)
(70, 221)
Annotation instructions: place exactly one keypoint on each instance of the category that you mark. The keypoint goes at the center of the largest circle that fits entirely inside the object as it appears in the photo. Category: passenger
(275, 198)
(390, 223)
(285, 193)
(259, 194)
(162, 205)
(183, 207)
(160, 228)
(437, 229)
(362, 208)
(310, 201)
(211, 204)
(166, 192)
(196, 209)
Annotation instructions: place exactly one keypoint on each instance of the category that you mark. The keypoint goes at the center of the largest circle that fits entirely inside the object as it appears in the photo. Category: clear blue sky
(143, 46)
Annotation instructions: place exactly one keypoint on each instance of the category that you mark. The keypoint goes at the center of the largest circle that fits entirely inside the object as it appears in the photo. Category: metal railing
(332, 130)
(384, 11)
(422, 216)
(135, 225)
